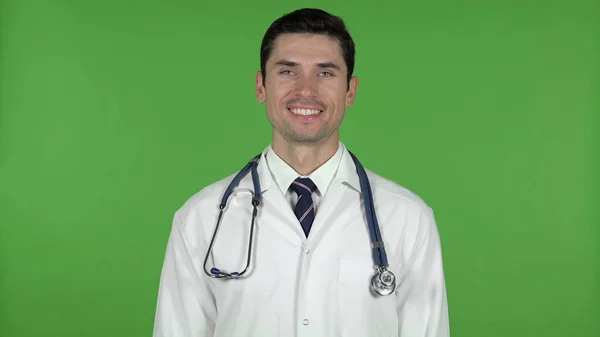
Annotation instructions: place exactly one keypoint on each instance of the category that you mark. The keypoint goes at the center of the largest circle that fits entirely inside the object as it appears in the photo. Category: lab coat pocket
(360, 311)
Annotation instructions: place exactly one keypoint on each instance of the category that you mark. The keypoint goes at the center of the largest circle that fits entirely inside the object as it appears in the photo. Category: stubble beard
(309, 137)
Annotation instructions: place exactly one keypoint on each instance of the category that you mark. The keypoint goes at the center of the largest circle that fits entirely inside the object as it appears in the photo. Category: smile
(305, 112)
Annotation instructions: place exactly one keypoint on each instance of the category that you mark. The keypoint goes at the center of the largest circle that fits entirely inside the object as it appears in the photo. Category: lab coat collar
(346, 173)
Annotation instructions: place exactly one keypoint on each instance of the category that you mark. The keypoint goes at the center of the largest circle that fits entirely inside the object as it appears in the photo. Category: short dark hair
(313, 21)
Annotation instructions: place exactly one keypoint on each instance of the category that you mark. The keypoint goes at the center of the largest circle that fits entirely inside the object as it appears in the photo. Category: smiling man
(304, 82)
(315, 266)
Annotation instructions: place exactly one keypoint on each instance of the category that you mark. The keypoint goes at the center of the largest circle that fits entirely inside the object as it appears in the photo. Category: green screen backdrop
(113, 113)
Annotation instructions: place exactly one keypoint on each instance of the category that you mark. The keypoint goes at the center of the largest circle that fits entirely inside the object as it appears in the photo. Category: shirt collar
(284, 175)
(340, 169)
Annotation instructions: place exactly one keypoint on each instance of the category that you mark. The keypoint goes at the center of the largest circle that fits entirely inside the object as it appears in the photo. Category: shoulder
(404, 213)
(394, 194)
(203, 202)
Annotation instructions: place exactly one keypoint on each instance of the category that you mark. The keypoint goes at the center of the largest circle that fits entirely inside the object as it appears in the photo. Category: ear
(351, 93)
(260, 88)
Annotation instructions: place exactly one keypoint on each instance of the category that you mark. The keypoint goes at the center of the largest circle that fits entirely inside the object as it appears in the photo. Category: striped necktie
(305, 207)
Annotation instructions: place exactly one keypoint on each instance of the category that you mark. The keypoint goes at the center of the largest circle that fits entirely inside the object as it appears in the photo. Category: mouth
(300, 112)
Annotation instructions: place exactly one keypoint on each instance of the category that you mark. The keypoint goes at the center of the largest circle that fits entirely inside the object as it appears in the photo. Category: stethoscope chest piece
(384, 282)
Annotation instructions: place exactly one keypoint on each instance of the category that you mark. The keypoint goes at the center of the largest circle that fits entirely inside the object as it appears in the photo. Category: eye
(286, 72)
(326, 74)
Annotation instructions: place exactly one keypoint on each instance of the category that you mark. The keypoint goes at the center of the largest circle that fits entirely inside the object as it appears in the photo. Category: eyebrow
(326, 65)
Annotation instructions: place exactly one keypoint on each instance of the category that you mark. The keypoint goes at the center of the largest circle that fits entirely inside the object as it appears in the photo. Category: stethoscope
(382, 283)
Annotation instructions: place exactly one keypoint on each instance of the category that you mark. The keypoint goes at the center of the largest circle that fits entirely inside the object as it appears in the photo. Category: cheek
(276, 95)
(338, 98)
(274, 100)
(333, 91)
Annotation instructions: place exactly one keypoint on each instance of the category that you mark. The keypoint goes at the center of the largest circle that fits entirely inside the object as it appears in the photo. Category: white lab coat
(297, 286)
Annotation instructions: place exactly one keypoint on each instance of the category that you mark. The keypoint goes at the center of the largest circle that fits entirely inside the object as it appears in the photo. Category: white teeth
(305, 112)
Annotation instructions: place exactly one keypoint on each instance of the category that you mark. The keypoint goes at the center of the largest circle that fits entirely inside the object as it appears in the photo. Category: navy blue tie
(305, 208)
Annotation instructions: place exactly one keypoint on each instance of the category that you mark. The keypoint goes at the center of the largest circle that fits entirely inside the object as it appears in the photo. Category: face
(306, 89)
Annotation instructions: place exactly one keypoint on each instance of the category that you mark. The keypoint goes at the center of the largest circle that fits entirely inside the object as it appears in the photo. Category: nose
(306, 87)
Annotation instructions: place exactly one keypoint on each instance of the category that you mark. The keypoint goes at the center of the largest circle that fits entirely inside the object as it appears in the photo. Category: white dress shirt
(283, 174)
(298, 286)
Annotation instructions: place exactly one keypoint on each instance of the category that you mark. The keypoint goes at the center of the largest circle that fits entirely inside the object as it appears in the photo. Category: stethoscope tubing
(378, 250)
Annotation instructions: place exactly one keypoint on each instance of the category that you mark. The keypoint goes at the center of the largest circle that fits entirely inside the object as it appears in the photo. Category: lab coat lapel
(339, 205)
(331, 212)
(280, 217)
(274, 211)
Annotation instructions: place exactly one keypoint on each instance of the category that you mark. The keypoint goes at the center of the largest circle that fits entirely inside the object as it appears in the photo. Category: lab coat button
(307, 251)
(305, 322)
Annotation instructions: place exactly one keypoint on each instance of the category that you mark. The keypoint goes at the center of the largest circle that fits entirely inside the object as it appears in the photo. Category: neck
(305, 158)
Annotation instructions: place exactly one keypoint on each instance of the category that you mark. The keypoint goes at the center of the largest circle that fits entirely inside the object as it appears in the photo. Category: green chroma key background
(113, 113)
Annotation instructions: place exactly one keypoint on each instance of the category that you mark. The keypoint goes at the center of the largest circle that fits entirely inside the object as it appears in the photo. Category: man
(311, 264)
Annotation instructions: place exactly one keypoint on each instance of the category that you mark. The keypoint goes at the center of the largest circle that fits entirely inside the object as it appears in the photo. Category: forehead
(306, 48)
